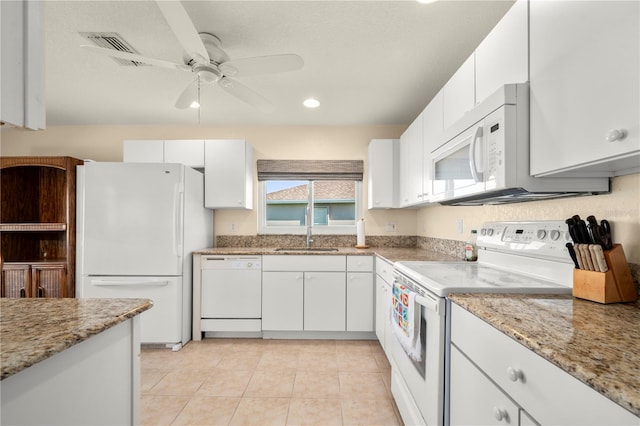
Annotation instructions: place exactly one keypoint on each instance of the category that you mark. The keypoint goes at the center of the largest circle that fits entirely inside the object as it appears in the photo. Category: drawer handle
(501, 414)
(515, 374)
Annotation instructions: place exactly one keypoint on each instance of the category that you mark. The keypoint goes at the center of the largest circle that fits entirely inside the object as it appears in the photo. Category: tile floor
(267, 382)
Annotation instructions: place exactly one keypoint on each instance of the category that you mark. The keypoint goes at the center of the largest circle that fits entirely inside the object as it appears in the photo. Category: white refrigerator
(137, 225)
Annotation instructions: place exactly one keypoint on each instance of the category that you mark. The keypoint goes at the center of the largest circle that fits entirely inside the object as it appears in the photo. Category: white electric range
(513, 257)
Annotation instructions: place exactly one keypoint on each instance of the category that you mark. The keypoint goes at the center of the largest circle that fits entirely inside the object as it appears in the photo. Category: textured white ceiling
(368, 62)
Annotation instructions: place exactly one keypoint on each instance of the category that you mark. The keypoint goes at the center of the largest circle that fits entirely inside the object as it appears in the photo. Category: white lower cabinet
(360, 301)
(474, 398)
(325, 293)
(282, 298)
(384, 278)
(324, 301)
(489, 369)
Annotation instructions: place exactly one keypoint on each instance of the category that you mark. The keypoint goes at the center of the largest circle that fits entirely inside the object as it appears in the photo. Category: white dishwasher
(231, 295)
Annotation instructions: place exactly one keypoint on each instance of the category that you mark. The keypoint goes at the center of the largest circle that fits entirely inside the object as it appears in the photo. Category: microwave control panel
(494, 135)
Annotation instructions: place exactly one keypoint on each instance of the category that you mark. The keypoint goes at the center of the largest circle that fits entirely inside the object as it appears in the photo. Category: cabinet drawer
(547, 392)
(304, 263)
(360, 263)
(474, 398)
(384, 269)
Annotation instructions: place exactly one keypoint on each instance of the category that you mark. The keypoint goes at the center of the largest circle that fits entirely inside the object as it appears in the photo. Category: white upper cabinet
(585, 90)
(228, 174)
(459, 93)
(503, 56)
(433, 123)
(182, 151)
(411, 148)
(382, 173)
(22, 102)
(189, 152)
(143, 151)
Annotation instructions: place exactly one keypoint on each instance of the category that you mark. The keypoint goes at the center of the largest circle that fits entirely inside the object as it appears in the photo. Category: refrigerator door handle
(109, 283)
(178, 208)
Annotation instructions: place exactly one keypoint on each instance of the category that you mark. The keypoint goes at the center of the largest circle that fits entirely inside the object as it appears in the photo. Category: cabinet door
(149, 151)
(411, 164)
(432, 123)
(16, 280)
(282, 301)
(49, 280)
(503, 56)
(360, 301)
(584, 71)
(381, 303)
(187, 152)
(382, 172)
(459, 93)
(22, 59)
(474, 399)
(324, 301)
(228, 174)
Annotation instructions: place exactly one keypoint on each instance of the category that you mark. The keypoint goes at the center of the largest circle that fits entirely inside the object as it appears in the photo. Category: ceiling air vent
(116, 42)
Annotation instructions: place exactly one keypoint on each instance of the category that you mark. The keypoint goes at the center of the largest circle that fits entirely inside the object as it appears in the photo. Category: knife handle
(578, 252)
(598, 254)
(586, 258)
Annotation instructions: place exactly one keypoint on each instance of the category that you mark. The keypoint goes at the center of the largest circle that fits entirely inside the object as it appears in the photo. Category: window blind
(310, 169)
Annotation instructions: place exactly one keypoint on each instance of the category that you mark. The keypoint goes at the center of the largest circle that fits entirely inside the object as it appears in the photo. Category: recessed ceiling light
(426, 1)
(311, 103)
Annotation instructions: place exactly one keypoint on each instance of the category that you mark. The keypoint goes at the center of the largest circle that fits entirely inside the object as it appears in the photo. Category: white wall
(621, 207)
(104, 143)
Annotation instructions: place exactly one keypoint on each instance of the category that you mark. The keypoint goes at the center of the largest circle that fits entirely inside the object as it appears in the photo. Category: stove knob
(490, 232)
(555, 235)
(483, 232)
(541, 234)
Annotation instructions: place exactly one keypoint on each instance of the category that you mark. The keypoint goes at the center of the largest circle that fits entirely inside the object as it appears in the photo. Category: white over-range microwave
(485, 159)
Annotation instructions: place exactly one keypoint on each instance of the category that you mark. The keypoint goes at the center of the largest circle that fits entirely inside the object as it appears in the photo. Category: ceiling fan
(206, 59)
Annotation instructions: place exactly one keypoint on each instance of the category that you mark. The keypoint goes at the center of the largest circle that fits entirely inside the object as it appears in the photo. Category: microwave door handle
(477, 176)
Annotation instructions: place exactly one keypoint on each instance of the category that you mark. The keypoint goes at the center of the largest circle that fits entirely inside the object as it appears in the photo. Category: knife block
(615, 285)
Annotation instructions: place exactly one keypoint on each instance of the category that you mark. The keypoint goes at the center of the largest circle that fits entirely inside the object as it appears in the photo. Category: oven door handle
(427, 302)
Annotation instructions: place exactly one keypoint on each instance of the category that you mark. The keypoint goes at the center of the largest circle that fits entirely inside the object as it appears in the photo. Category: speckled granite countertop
(597, 344)
(32, 330)
(391, 254)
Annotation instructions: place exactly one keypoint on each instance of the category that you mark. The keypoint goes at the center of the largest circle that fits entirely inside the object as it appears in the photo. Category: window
(288, 202)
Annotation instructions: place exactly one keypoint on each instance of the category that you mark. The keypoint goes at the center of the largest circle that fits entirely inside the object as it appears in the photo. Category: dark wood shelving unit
(38, 226)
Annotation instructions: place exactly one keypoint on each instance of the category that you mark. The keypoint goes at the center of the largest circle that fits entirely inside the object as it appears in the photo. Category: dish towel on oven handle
(405, 320)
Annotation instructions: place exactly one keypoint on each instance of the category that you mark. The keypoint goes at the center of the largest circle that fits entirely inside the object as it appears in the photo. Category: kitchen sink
(306, 249)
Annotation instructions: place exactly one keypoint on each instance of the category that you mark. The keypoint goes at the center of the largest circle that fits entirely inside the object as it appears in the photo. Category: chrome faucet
(309, 239)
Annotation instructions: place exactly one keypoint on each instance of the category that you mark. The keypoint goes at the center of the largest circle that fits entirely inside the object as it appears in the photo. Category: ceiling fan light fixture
(311, 103)
(207, 73)
(194, 105)
(426, 1)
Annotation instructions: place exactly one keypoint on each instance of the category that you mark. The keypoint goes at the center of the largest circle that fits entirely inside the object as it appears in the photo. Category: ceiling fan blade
(261, 65)
(183, 28)
(188, 95)
(245, 94)
(136, 58)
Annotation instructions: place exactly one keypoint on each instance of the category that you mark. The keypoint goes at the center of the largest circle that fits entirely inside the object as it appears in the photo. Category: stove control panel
(540, 238)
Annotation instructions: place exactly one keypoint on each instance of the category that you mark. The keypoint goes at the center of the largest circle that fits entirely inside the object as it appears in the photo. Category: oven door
(418, 387)
(457, 167)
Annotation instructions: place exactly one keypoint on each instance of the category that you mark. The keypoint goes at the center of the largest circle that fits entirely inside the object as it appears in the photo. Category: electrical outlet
(460, 226)
(391, 227)
(233, 227)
